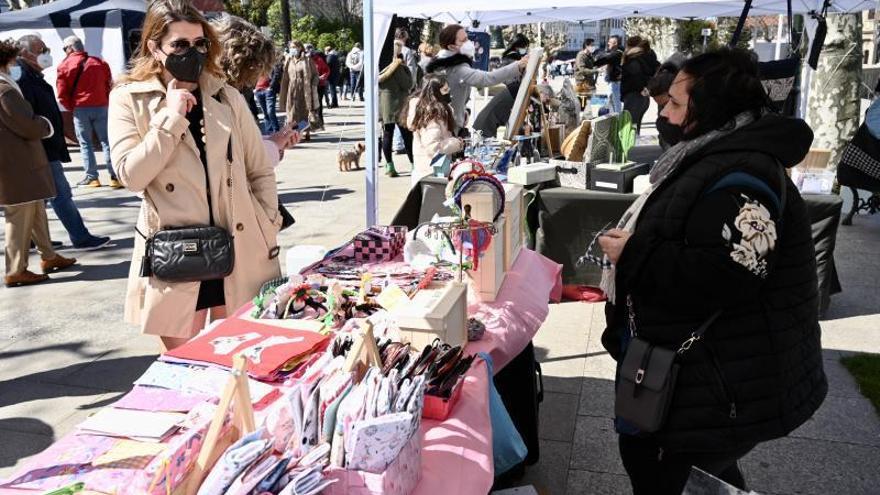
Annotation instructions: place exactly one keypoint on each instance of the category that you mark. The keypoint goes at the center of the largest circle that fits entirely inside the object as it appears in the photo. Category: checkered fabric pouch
(856, 158)
(379, 243)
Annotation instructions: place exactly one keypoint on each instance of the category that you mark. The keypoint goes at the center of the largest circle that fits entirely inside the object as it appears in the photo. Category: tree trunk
(833, 107)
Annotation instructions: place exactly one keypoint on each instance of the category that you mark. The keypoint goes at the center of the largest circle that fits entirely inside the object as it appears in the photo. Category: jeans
(65, 209)
(266, 100)
(388, 137)
(356, 84)
(88, 120)
(614, 97)
(332, 100)
(637, 104)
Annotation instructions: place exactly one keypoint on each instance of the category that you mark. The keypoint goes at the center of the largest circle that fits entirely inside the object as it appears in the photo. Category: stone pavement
(64, 351)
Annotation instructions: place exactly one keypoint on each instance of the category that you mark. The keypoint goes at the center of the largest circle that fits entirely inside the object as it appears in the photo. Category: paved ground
(64, 351)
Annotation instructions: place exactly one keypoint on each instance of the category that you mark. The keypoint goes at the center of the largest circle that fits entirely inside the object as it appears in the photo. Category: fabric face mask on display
(44, 60)
(186, 67)
(468, 49)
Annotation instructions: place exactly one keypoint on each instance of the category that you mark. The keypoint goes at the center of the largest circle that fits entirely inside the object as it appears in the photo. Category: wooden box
(439, 311)
(515, 215)
(532, 173)
(488, 278)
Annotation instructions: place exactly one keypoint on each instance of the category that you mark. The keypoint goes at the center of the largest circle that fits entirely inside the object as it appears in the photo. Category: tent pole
(369, 80)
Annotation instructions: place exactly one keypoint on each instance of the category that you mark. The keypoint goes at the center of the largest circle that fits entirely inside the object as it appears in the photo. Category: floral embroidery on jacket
(758, 237)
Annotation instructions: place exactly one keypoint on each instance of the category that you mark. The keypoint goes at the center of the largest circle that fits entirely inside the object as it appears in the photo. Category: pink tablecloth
(457, 452)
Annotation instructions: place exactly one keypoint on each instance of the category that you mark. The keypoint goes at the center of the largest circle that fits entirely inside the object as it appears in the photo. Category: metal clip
(688, 343)
(640, 375)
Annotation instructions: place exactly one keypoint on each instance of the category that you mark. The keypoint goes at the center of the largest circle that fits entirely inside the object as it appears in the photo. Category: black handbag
(647, 378)
(287, 219)
(194, 253)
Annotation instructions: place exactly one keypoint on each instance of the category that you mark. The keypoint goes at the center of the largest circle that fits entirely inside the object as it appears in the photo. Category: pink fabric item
(160, 399)
(457, 452)
(519, 309)
(400, 478)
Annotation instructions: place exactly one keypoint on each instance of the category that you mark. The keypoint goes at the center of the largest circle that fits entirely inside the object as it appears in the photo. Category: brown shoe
(25, 278)
(57, 263)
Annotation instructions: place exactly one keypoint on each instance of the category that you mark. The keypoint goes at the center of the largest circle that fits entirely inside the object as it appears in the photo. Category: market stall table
(568, 218)
(461, 444)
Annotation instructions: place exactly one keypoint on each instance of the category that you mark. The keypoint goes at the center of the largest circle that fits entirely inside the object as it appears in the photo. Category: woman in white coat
(430, 118)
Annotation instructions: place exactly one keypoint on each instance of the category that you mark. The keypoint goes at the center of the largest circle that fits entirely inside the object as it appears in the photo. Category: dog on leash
(349, 159)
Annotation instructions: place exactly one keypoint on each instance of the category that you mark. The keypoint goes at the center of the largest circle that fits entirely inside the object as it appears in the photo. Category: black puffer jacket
(757, 374)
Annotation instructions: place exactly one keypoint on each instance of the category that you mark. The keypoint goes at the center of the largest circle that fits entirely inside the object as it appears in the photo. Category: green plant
(624, 136)
(690, 36)
(865, 368)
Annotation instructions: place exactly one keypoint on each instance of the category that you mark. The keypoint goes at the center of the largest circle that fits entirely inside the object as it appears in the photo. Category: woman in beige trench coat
(299, 89)
(156, 155)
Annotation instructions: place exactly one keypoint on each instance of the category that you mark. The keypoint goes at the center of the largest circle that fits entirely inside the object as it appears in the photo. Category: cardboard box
(532, 173)
(573, 174)
(619, 181)
(439, 311)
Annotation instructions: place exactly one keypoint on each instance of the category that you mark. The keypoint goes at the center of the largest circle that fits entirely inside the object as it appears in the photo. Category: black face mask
(186, 67)
(447, 98)
(669, 133)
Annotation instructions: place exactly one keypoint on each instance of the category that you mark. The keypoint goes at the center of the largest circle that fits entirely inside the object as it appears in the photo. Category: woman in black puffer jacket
(721, 229)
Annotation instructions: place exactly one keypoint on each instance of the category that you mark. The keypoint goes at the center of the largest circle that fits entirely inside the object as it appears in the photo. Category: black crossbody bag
(649, 372)
(195, 253)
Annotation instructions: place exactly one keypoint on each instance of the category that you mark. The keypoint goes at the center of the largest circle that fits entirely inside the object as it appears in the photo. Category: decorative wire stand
(452, 229)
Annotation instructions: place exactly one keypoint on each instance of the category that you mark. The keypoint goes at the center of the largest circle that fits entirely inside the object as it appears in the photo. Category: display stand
(364, 353)
(237, 394)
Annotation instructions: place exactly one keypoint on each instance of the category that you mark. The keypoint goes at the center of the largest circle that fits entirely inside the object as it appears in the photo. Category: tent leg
(370, 116)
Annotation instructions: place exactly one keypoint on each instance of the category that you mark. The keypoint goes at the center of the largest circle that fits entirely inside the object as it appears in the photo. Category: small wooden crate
(439, 311)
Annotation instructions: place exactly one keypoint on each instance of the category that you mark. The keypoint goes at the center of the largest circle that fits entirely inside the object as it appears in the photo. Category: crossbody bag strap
(697, 334)
(79, 72)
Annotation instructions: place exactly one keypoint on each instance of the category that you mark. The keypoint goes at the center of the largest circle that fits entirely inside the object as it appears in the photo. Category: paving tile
(597, 398)
(110, 373)
(50, 404)
(595, 446)
(840, 382)
(550, 473)
(801, 466)
(558, 415)
(563, 376)
(843, 419)
(593, 483)
(600, 365)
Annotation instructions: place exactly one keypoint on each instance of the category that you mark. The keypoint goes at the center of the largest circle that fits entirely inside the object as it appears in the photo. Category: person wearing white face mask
(25, 177)
(454, 60)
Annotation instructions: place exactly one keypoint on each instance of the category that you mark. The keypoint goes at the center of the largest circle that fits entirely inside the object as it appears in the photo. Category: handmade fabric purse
(647, 378)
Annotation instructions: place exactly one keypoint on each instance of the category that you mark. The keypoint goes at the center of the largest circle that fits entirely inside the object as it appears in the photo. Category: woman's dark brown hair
(430, 108)
(160, 14)
(8, 51)
(723, 84)
(448, 35)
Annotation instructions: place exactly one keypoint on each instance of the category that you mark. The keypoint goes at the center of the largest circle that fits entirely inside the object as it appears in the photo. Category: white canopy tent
(378, 14)
(102, 25)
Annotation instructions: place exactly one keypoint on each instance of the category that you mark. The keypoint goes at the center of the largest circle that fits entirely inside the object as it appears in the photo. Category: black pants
(652, 471)
(388, 140)
(636, 104)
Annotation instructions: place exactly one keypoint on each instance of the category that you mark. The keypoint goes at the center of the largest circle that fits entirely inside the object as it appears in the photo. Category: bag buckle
(190, 247)
(640, 375)
(686, 345)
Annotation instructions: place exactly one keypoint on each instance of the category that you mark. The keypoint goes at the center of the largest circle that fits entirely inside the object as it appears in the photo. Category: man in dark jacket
(612, 58)
(333, 80)
(40, 95)
(83, 83)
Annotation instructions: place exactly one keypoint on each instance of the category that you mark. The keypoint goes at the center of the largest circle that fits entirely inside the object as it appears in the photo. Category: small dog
(351, 158)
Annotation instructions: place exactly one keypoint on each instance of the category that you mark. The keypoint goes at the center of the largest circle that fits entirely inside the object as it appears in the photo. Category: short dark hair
(448, 35)
(616, 38)
(8, 51)
(724, 83)
(588, 42)
(662, 80)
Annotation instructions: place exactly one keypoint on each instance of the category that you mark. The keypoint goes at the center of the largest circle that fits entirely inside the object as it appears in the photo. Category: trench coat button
(169, 187)
(239, 227)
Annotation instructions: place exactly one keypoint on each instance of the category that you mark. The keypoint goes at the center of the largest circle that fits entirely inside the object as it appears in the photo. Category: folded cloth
(307, 481)
(236, 459)
(582, 293)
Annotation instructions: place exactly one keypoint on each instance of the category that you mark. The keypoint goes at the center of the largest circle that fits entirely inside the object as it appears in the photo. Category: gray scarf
(663, 168)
